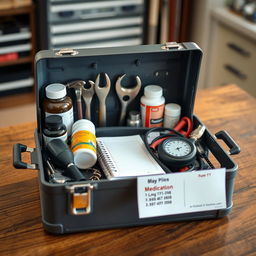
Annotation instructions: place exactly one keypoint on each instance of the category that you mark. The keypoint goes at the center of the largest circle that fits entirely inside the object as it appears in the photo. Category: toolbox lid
(174, 67)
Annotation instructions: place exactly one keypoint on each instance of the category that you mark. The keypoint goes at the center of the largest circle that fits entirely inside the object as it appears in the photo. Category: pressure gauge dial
(177, 152)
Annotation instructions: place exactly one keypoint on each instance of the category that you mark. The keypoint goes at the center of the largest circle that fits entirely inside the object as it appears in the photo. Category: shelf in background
(17, 84)
(16, 11)
(22, 60)
(235, 21)
(22, 35)
(16, 48)
(17, 54)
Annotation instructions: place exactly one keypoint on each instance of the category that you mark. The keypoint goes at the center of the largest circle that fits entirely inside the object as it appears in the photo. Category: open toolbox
(106, 203)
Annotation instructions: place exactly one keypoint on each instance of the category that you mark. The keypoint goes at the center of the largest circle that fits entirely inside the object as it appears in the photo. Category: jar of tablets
(171, 115)
(152, 106)
(83, 144)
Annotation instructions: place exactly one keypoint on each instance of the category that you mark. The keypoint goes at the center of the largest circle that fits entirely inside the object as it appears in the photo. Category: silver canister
(134, 119)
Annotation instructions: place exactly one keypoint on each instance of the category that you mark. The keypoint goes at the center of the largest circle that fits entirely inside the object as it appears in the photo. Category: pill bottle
(58, 103)
(83, 144)
(171, 115)
(54, 129)
(152, 106)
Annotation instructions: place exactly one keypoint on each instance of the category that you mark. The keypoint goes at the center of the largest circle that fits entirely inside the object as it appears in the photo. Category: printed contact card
(175, 193)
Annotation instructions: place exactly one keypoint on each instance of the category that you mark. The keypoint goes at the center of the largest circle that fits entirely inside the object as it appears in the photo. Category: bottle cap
(134, 115)
(53, 121)
(83, 124)
(172, 109)
(84, 158)
(153, 91)
(55, 91)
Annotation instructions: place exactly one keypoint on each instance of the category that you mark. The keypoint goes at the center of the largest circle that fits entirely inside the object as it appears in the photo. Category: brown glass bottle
(57, 102)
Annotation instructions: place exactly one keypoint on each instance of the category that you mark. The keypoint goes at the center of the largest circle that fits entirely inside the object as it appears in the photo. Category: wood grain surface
(227, 108)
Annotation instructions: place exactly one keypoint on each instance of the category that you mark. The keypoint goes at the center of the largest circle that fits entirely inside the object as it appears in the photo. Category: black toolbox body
(113, 203)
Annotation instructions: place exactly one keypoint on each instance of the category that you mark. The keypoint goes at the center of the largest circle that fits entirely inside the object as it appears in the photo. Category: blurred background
(225, 30)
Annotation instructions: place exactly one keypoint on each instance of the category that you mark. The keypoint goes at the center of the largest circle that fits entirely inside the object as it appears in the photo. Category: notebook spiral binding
(105, 160)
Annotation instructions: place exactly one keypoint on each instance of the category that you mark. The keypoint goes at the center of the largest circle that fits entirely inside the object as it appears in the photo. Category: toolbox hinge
(171, 46)
(66, 52)
(80, 199)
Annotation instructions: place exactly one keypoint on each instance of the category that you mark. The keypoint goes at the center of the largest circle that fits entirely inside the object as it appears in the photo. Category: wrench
(78, 85)
(87, 94)
(126, 95)
(102, 93)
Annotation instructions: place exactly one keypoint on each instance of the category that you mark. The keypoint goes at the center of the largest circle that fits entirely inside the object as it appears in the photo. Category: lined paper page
(129, 156)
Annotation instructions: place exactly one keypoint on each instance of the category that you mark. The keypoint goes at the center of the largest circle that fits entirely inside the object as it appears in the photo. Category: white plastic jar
(152, 106)
(83, 144)
(171, 115)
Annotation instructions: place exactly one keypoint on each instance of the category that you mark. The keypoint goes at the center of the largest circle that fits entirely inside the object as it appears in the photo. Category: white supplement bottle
(171, 115)
(152, 106)
(83, 144)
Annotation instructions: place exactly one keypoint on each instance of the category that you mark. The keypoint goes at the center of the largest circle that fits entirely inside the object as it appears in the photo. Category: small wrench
(78, 85)
(126, 95)
(102, 93)
(87, 94)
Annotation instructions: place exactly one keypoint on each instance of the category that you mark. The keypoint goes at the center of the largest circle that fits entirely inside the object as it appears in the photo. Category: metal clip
(66, 51)
(171, 46)
(198, 132)
(80, 199)
(32, 165)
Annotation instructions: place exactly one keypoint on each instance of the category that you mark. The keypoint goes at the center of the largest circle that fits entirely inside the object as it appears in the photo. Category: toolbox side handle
(233, 147)
(18, 149)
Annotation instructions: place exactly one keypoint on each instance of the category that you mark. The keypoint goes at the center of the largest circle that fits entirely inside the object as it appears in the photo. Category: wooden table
(22, 233)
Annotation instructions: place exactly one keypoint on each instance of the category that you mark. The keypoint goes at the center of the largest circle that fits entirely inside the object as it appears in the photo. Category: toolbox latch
(66, 51)
(80, 199)
(171, 46)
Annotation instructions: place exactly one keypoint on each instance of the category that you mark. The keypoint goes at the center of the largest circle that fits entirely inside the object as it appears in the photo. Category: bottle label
(152, 116)
(170, 122)
(83, 139)
(67, 118)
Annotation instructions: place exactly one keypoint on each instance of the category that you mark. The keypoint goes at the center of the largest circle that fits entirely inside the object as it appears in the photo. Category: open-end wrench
(78, 85)
(126, 95)
(102, 93)
(87, 94)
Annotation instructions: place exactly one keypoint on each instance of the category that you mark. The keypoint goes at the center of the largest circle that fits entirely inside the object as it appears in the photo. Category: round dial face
(177, 152)
(177, 148)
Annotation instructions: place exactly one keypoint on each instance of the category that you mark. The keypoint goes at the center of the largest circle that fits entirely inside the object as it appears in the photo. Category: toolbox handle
(233, 147)
(18, 149)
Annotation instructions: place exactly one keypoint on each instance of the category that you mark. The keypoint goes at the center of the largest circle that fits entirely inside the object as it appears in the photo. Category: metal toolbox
(114, 203)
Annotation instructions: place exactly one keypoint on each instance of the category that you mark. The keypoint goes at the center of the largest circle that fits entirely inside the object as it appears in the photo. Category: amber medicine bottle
(58, 103)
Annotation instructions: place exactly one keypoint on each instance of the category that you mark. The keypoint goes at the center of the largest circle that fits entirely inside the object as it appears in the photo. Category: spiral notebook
(125, 156)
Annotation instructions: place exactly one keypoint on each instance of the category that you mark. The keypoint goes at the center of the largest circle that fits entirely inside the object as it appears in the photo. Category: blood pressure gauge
(177, 152)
